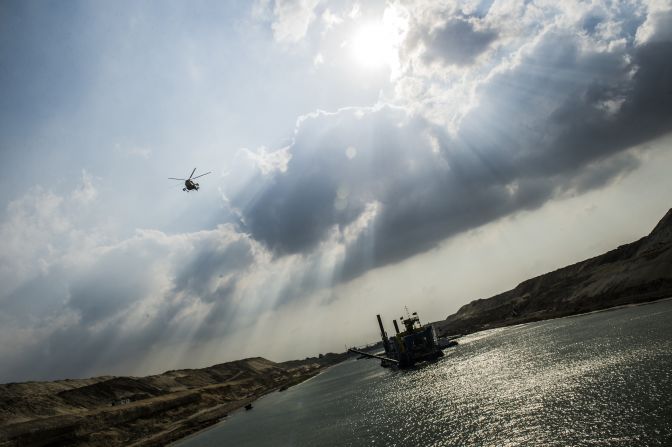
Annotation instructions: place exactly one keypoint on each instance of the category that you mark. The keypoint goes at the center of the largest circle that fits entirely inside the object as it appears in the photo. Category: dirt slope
(633, 273)
(140, 411)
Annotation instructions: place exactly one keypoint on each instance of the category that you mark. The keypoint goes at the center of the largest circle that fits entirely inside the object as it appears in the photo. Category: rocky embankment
(141, 411)
(633, 273)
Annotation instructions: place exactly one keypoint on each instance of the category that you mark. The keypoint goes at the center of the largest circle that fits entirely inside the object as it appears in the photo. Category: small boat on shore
(248, 407)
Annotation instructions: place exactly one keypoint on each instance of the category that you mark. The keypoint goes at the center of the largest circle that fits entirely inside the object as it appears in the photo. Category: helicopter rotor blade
(209, 172)
(192, 173)
(181, 179)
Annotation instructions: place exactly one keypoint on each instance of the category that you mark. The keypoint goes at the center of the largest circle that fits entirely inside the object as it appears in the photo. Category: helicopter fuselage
(190, 185)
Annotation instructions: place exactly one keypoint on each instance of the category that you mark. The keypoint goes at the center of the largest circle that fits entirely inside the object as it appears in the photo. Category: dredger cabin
(406, 348)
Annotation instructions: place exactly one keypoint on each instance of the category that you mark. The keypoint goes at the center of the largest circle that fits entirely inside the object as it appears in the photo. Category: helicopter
(189, 183)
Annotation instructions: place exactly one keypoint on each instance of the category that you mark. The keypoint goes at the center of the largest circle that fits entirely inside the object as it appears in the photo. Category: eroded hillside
(633, 273)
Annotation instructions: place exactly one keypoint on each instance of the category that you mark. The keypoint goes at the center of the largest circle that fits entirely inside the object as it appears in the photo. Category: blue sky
(364, 156)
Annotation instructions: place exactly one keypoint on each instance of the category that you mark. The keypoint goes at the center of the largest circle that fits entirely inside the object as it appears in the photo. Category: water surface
(601, 379)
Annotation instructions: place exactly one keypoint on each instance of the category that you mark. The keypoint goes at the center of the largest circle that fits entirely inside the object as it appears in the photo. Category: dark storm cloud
(599, 174)
(213, 260)
(556, 122)
(455, 42)
(297, 207)
(28, 300)
(425, 196)
(562, 108)
(113, 284)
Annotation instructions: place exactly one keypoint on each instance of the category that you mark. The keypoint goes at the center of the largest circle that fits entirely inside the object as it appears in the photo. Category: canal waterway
(598, 379)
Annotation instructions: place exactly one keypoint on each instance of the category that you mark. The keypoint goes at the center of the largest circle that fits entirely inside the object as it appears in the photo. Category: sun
(376, 44)
(372, 46)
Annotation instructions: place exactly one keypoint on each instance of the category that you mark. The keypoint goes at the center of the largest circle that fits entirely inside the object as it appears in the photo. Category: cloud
(269, 161)
(87, 191)
(119, 302)
(30, 233)
(554, 114)
(292, 19)
(65, 284)
(116, 300)
(454, 42)
(211, 270)
(497, 107)
(330, 19)
(658, 24)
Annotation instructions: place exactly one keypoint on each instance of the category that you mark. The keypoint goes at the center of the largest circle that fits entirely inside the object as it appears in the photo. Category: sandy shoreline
(147, 411)
(240, 405)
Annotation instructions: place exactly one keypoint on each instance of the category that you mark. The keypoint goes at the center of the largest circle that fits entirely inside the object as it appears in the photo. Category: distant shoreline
(502, 324)
(596, 311)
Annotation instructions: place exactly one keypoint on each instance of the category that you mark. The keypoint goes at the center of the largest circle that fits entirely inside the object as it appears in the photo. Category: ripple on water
(598, 379)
